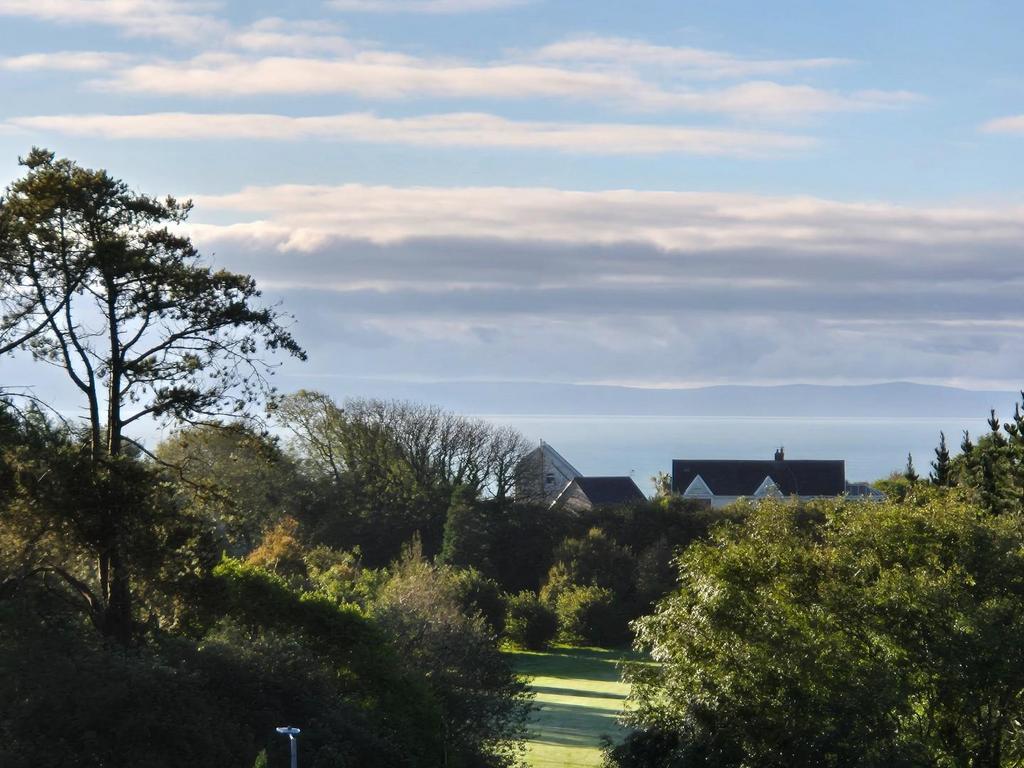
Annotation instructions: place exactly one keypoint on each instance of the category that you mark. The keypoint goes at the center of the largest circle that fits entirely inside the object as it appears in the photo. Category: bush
(589, 616)
(529, 622)
(483, 703)
(597, 559)
(478, 594)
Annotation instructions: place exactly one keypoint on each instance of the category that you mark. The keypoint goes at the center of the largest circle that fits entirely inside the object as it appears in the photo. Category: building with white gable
(721, 482)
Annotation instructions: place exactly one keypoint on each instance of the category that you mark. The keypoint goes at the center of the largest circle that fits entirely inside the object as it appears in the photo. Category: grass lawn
(579, 695)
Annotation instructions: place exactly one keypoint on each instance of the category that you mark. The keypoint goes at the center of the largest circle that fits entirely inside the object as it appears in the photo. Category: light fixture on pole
(291, 733)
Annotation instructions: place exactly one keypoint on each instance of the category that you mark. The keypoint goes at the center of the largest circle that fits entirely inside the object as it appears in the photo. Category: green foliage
(94, 282)
(476, 593)
(66, 699)
(467, 536)
(483, 703)
(895, 487)
(389, 470)
(597, 560)
(589, 615)
(993, 468)
(530, 622)
(281, 552)
(341, 639)
(909, 472)
(341, 576)
(941, 474)
(233, 476)
(886, 635)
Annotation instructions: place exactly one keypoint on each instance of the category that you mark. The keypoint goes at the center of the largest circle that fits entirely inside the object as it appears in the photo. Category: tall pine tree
(941, 474)
(910, 473)
(989, 470)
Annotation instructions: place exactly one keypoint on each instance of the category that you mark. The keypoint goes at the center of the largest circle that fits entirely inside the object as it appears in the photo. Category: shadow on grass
(552, 690)
(573, 725)
(595, 664)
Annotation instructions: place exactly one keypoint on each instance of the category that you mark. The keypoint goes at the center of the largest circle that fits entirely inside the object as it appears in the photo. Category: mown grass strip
(579, 695)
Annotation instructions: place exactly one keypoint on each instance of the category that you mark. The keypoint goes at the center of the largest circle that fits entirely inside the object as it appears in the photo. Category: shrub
(589, 616)
(529, 622)
(478, 594)
(483, 704)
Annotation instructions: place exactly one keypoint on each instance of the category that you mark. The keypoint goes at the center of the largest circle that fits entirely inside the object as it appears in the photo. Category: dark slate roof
(610, 490)
(743, 478)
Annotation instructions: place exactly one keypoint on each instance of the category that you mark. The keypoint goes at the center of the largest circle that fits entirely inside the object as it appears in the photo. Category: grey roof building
(542, 474)
(584, 493)
(721, 482)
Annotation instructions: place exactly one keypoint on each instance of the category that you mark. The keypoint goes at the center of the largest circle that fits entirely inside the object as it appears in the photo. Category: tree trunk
(117, 620)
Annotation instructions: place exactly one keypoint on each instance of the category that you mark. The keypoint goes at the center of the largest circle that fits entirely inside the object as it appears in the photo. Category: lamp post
(291, 733)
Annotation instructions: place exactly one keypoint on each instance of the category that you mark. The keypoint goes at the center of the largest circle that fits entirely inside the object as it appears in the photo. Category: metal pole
(291, 732)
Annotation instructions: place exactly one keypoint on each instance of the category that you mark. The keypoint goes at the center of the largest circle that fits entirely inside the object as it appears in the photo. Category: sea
(642, 446)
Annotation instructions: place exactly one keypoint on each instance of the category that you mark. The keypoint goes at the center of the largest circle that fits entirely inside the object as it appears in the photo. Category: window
(549, 478)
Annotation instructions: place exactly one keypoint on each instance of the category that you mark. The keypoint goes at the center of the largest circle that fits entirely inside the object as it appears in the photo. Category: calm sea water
(642, 446)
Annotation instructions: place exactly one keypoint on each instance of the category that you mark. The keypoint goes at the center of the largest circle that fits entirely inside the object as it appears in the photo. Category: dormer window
(768, 488)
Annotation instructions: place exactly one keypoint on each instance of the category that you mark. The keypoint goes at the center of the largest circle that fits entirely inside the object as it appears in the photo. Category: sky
(655, 193)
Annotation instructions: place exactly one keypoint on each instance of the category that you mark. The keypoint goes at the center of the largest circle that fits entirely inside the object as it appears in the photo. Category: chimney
(780, 454)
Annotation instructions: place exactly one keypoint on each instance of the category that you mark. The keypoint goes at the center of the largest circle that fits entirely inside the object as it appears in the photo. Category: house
(863, 492)
(586, 493)
(721, 482)
(542, 474)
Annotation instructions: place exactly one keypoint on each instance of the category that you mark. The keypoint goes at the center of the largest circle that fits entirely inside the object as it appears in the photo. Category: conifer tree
(941, 466)
(466, 532)
(990, 470)
(99, 282)
(910, 473)
(1015, 440)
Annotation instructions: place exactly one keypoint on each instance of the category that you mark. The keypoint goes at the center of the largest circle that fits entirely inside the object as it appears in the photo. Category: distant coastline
(527, 399)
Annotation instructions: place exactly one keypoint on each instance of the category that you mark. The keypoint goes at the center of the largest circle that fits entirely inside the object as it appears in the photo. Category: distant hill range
(794, 400)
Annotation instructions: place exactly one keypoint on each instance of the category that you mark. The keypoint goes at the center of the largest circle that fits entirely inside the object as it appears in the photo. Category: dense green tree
(530, 622)
(267, 654)
(990, 469)
(596, 559)
(590, 615)
(61, 508)
(235, 476)
(483, 704)
(887, 636)
(478, 594)
(391, 468)
(467, 532)
(94, 281)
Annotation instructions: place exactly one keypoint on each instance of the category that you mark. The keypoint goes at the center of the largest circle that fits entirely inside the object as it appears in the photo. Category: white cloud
(284, 36)
(773, 100)
(179, 20)
(424, 6)
(682, 60)
(444, 130)
(1012, 124)
(71, 61)
(584, 285)
(305, 217)
(378, 75)
(369, 74)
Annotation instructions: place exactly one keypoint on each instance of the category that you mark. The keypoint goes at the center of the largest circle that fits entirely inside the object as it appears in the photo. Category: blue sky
(649, 193)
